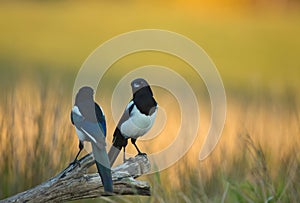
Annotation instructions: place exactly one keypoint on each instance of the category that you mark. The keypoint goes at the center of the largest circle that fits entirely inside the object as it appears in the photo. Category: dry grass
(256, 159)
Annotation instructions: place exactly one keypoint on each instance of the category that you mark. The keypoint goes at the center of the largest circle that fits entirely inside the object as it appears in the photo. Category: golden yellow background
(254, 44)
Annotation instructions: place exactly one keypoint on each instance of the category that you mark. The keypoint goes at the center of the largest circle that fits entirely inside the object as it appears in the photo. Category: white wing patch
(91, 137)
(101, 110)
(75, 109)
(129, 104)
(81, 136)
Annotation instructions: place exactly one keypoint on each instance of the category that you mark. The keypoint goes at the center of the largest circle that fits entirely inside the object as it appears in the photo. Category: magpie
(136, 120)
(90, 125)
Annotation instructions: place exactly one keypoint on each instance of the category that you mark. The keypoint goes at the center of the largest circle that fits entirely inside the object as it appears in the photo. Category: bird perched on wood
(136, 120)
(89, 121)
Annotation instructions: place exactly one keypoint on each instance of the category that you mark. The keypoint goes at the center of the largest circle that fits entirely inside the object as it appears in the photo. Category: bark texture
(74, 183)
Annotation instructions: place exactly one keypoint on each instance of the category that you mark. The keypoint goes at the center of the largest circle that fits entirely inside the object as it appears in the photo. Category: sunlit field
(255, 48)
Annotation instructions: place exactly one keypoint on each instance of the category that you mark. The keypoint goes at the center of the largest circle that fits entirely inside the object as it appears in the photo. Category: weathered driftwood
(77, 184)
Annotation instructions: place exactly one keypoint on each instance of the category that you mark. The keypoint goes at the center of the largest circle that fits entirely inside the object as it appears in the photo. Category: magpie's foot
(142, 154)
(75, 163)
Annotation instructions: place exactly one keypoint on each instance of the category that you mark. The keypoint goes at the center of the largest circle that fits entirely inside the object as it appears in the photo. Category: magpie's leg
(124, 155)
(139, 152)
(73, 163)
(80, 149)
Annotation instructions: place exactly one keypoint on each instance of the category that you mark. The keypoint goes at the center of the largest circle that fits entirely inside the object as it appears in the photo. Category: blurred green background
(254, 44)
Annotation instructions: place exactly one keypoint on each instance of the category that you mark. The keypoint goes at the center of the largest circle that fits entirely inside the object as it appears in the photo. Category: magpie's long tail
(103, 166)
(113, 154)
(118, 142)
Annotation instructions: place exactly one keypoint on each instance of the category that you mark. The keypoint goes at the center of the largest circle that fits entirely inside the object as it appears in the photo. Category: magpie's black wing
(100, 118)
(72, 118)
(119, 140)
(125, 116)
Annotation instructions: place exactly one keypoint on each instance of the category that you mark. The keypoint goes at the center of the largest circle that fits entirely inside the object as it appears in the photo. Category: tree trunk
(74, 183)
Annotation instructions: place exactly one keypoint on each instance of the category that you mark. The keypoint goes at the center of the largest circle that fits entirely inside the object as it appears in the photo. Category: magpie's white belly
(138, 124)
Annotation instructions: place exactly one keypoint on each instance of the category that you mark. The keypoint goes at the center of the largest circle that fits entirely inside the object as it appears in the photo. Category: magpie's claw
(141, 154)
(73, 164)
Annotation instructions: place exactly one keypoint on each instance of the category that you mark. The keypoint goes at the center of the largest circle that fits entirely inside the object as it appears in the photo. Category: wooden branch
(74, 183)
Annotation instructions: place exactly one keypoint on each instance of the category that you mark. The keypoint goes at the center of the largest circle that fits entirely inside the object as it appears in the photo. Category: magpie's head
(85, 93)
(138, 84)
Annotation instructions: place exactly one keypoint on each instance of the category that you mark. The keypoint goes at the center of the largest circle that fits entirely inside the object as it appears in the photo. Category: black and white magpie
(136, 120)
(89, 121)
